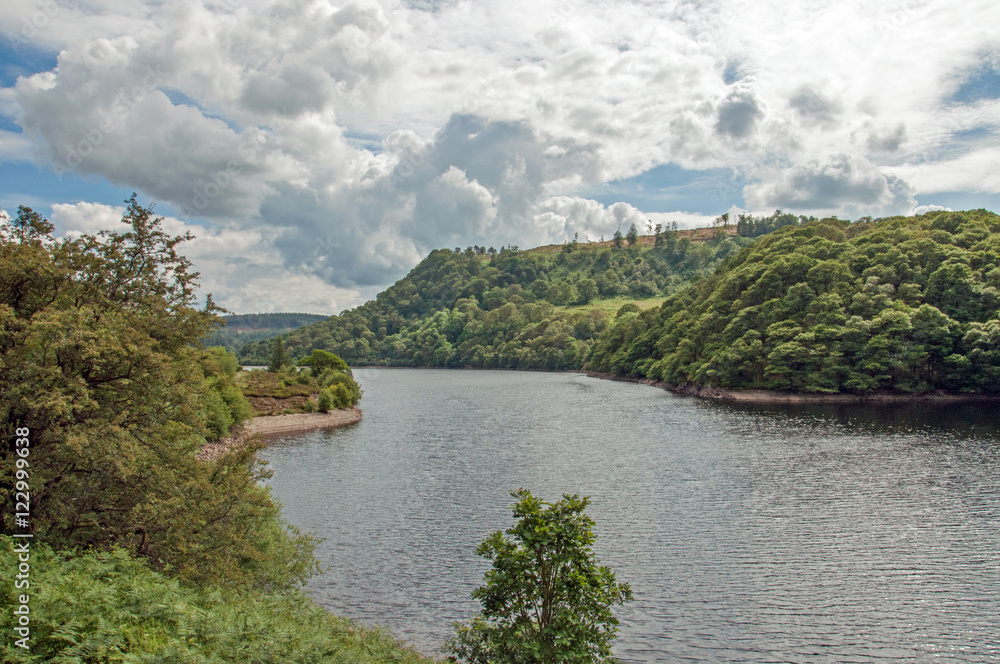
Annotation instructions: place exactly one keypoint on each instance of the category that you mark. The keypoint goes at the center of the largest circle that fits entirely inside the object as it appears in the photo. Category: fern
(110, 608)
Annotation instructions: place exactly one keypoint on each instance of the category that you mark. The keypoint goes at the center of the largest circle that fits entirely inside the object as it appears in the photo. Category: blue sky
(320, 149)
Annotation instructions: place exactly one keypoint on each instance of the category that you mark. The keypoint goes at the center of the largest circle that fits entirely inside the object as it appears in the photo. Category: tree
(546, 599)
(321, 361)
(279, 357)
(632, 236)
(617, 241)
(99, 362)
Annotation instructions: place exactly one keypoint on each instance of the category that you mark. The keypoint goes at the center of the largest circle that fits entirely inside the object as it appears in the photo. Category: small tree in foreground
(546, 598)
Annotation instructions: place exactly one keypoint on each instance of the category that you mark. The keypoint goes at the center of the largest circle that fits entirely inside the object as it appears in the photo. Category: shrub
(326, 400)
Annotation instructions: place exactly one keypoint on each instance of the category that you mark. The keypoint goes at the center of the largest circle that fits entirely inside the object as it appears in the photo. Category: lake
(747, 533)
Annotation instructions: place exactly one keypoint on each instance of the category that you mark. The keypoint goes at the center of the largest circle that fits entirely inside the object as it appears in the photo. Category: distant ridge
(241, 329)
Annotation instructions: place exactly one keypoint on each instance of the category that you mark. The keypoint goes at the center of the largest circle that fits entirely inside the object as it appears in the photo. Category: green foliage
(546, 599)
(99, 361)
(278, 359)
(505, 310)
(328, 374)
(325, 400)
(110, 608)
(280, 385)
(632, 237)
(748, 225)
(342, 397)
(906, 303)
(241, 329)
(321, 361)
(334, 397)
(225, 405)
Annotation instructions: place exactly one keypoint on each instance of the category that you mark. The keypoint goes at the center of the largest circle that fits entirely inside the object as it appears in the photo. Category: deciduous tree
(546, 599)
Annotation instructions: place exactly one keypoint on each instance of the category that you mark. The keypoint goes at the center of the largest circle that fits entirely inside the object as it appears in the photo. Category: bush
(326, 400)
(341, 396)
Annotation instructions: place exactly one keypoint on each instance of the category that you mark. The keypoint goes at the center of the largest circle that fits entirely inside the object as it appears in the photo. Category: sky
(318, 150)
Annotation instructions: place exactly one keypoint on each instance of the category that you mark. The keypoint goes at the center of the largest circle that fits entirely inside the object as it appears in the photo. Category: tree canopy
(546, 598)
(905, 303)
(100, 362)
(512, 309)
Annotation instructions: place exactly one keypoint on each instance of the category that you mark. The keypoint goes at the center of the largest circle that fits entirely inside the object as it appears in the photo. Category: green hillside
(900, 304)
(537, 309)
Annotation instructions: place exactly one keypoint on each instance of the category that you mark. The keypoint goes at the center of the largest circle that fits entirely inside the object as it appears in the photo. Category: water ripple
(748, 534)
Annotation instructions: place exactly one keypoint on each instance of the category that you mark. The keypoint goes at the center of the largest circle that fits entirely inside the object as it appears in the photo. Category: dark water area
(748, 533)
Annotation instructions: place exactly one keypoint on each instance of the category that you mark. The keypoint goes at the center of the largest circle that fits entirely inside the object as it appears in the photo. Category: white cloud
(14, 147)
(239, 266)
(839, 183)
(351, 138)
(923, 209)
(977, 172)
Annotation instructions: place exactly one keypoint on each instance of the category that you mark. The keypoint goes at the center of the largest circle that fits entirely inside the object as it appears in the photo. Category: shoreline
(776, 397)
(278, 425)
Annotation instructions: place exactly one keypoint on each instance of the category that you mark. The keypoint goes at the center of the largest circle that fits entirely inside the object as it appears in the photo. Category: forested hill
(905, 304)
(509, 309)
(241, 329)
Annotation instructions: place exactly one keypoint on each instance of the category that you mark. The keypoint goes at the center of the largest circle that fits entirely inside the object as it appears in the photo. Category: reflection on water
(748, 533)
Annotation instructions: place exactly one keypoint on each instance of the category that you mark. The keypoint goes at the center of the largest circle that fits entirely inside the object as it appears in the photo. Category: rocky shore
(278, 425)
(775, 396)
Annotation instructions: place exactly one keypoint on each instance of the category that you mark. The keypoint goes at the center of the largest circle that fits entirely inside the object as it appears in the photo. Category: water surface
(748, 534)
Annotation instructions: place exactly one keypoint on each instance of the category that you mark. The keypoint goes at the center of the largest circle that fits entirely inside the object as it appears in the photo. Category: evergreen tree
(632, 236)
(617, 241)
(279, 357)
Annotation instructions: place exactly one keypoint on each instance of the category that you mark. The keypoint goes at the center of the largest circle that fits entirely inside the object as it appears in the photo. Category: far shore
(779, 397)
(279, 425)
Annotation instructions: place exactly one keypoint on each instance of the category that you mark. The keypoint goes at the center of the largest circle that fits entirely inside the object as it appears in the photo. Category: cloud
(924, 209)
(841, 182)
(475, 182)
(104, 114)
(349, 139)
(814, 108)
(739, 114)
(14, 146)
(239, 266)
(886, 139)
(977, 171)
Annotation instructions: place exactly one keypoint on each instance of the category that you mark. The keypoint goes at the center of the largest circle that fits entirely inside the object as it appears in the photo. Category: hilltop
(541, 308)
